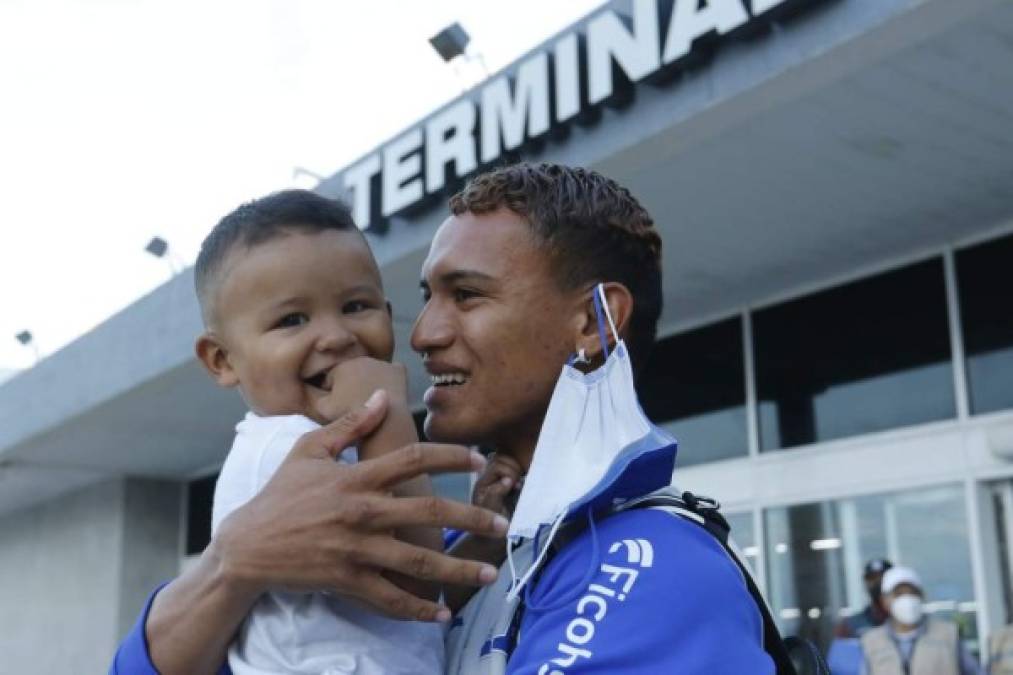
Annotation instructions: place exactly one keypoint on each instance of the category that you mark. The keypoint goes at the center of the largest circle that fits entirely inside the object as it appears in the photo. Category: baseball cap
(895, 576)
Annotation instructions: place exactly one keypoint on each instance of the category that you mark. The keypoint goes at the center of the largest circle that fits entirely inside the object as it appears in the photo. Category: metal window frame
(974, 481)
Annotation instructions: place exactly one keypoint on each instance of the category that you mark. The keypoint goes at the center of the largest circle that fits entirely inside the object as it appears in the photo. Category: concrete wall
(75, 571)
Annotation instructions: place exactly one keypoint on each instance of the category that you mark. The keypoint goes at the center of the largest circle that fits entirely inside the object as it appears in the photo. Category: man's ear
(215, 358)
(620, 304)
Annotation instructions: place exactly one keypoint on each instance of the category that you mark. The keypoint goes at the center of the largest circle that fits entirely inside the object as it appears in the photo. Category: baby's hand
(354, 381)
(498, 485)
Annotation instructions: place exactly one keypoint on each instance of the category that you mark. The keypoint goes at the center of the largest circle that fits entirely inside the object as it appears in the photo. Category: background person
(911, 643)
(874, 613)
(1000, 652)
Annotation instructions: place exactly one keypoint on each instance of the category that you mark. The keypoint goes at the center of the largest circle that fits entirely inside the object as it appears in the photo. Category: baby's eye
(292, 320)
(354, 306)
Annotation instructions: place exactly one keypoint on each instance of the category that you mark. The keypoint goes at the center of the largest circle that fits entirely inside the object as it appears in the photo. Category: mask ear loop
(608, 314)
(518, 584)
(601, 326)
(601, 307)
(581, 587)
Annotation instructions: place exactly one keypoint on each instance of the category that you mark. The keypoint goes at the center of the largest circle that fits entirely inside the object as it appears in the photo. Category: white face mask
(591, 419)
(907, 609)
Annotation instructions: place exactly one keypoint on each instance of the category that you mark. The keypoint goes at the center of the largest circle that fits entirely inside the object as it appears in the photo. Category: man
(873, 614)
(910, 643)
(507, 291)
(1000, 652)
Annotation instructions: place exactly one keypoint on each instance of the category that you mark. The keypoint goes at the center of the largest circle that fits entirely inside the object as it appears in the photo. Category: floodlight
(450, 42)
(157, 247)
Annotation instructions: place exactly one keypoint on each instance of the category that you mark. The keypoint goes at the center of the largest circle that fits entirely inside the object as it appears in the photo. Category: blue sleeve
(648, 592)
(450, 537)
(132, 657)
(968, 664)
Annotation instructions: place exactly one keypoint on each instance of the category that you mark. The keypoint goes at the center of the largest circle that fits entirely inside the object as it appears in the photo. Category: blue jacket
(643, 592)
(665, 598)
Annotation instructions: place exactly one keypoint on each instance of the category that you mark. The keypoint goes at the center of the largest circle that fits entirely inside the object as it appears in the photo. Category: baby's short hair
(261, 220)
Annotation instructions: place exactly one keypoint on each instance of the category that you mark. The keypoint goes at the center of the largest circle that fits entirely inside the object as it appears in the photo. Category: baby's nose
(335, 337)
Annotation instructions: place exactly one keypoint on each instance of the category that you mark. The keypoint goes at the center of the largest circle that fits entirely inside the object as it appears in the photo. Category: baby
(295, 316)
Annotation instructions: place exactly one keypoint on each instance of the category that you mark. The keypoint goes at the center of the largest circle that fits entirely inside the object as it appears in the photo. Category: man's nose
(432, 330)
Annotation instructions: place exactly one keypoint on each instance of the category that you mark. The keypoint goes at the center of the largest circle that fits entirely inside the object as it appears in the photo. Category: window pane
(200, 496)
(859, 358)
(694, 387)
(744, 537)
(985, 279)
(816, 552)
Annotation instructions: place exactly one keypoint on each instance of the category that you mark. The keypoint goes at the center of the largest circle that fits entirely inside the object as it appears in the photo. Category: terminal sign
(581, 70)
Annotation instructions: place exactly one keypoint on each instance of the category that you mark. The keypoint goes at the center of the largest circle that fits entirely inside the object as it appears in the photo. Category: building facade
(833, 181)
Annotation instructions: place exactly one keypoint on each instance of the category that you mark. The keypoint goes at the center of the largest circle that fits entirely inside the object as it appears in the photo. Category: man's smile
(448, 379)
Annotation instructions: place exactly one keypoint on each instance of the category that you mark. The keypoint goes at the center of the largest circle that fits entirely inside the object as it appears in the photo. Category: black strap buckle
(698, 503)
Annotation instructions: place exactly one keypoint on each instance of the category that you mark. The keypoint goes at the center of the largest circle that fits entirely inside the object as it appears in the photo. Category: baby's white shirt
(310, 632)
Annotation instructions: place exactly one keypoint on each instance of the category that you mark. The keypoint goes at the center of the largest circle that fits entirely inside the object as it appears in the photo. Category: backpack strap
(704, 512)
(792, 656)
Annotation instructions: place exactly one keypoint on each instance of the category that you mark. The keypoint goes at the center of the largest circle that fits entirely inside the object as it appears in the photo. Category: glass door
(1001, 497)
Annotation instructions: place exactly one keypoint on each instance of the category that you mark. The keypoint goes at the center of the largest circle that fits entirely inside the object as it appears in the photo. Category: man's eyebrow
(455, 276)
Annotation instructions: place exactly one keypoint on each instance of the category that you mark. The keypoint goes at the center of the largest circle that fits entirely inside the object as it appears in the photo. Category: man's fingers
(383, 473)
(346, 430)
(422, 563)
(387, 513)
(399, 604)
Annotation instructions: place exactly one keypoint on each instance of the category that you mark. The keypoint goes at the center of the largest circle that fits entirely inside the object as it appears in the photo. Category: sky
(126, 119)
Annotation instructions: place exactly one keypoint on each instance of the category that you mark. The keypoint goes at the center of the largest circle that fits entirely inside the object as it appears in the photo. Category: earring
(581, 356)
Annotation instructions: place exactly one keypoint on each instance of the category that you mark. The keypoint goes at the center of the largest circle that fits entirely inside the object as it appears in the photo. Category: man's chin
(442, 429)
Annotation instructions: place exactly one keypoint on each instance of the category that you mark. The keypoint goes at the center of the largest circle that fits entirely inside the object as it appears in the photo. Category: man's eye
(462, 294)
(426, 294)
(292, 320)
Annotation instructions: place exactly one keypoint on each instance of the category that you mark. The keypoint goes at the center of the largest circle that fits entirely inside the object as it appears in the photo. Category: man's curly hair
(592, 227)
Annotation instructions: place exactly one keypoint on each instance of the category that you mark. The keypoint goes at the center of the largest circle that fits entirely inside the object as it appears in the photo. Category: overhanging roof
(869, 130)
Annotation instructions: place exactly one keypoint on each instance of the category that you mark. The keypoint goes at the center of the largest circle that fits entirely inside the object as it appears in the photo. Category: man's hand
(319, 525)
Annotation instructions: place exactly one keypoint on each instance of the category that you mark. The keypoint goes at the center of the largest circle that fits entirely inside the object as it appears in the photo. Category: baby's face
(290, 309)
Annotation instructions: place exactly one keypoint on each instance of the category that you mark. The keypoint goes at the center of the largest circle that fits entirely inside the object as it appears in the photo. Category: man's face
(290, 309)
(494, 332)
(872, 583)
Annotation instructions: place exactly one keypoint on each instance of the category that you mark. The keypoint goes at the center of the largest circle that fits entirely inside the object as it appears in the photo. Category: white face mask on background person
(907, 609)
(591, 419)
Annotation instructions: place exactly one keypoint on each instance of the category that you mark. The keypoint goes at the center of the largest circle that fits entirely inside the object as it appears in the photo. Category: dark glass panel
(200, 497)
(694, 387)
(867, 356)
(985, 280)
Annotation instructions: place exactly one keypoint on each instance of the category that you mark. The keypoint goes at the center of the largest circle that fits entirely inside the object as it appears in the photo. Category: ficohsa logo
(592, 607)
